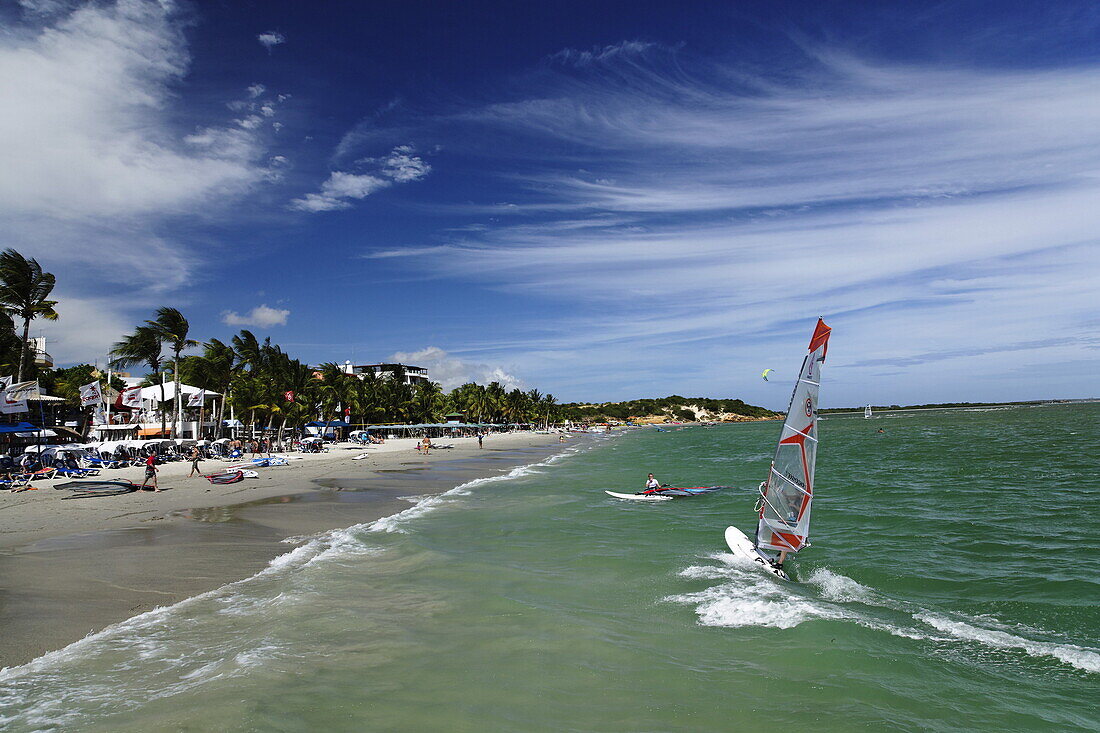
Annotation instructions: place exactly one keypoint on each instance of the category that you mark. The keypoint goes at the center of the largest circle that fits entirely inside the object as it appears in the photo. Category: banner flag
(23, 391)
(197, 398)
(91, 394)
(9, 406)
(131, 397)
(288, 395)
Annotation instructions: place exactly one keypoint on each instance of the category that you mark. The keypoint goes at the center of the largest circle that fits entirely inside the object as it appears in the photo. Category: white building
(37, 347)
(413, 375)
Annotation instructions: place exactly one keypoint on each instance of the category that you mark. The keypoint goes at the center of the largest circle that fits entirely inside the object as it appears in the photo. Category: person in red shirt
(150, 472)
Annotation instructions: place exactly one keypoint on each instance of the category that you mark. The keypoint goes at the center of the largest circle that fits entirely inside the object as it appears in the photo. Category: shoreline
(72, 567)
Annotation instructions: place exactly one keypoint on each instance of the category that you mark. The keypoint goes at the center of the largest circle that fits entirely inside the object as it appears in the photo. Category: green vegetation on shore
(674, 407)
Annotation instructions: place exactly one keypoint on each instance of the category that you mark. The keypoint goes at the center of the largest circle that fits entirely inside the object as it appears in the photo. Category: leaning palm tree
(24, 292)
(143, 346)
(171, 327)
(214, 370)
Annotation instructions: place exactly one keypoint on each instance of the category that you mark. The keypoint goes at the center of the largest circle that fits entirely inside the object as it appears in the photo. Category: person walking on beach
(194, 456)
(480, 437)
(150, 472)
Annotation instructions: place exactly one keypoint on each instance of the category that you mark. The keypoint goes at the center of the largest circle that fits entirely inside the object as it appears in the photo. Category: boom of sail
(786, 496)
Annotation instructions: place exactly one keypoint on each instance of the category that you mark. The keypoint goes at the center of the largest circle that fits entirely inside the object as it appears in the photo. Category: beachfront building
(411, 375)
(145, 421)
(41, 357)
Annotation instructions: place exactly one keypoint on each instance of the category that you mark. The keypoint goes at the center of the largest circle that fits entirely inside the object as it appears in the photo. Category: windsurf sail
(867, 411)
(225, 478)
(788, 492)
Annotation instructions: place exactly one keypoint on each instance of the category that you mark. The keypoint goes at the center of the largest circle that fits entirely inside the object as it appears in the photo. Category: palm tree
(428, 402)
(171, 328)
(214, 370)
(24, 292)
(143, 346)
(549, 405)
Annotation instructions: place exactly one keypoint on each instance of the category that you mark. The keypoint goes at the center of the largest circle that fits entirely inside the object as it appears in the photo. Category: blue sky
(601, 200)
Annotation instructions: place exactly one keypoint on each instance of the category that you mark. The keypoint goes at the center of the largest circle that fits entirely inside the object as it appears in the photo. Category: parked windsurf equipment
(226, 478)
(783, 510)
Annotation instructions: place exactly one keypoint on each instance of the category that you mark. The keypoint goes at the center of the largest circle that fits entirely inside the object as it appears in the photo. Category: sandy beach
(71, 566)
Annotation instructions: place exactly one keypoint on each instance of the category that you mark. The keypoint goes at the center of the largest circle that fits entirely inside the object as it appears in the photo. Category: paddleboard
(639, 497)
(742, 546)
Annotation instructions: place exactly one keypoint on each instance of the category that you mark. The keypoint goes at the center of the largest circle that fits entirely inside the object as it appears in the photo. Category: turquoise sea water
(953, 584)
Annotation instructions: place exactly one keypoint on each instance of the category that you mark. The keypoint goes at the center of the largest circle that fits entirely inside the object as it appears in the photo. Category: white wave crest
(1079, 657)
(840, 588)
(425, 504)
(748, 598)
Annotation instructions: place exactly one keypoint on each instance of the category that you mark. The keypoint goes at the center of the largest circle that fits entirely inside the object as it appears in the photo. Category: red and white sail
(789, 491)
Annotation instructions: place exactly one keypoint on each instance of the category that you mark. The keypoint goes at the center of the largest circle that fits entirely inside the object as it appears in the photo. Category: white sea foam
(840, 588)
(398, 522)
(1079, 657)
(748, 598)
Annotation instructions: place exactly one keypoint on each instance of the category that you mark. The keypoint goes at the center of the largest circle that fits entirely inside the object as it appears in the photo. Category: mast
(786, 495)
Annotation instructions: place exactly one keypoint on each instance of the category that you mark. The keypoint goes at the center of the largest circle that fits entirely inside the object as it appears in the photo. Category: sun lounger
(77, 472)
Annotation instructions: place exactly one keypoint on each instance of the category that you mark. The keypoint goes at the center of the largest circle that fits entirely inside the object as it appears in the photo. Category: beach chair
(70, 472)
(42, 473)
(16, 483)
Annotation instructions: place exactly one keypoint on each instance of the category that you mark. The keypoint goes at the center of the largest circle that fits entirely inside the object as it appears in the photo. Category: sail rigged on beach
(787, 494)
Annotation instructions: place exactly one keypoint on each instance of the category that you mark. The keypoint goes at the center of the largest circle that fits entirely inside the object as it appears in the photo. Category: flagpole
(107, 395)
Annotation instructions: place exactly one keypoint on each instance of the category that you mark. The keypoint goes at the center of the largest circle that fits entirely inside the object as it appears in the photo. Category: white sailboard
(638, 497)
(783, 511)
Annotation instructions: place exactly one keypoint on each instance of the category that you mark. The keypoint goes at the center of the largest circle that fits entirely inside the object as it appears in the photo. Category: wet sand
(70, 567)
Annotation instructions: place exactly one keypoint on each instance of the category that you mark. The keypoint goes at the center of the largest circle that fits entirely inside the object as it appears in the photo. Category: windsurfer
(652, 485)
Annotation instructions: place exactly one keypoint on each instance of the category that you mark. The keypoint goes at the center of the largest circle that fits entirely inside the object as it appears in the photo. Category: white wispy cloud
(342, 187)
(92, 163)
(451, 371)
(262, 316)
(686, 207)
(270, 39)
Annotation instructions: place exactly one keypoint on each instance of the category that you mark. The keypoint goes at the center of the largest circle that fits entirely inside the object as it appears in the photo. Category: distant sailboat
(867, 411)
(784, 507)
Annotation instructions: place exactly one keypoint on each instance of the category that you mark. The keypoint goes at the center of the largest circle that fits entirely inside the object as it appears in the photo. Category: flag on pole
(23, 390)
(196, 398)
(8, 405)
(91, 394)
(131, 397)
(288, 395)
